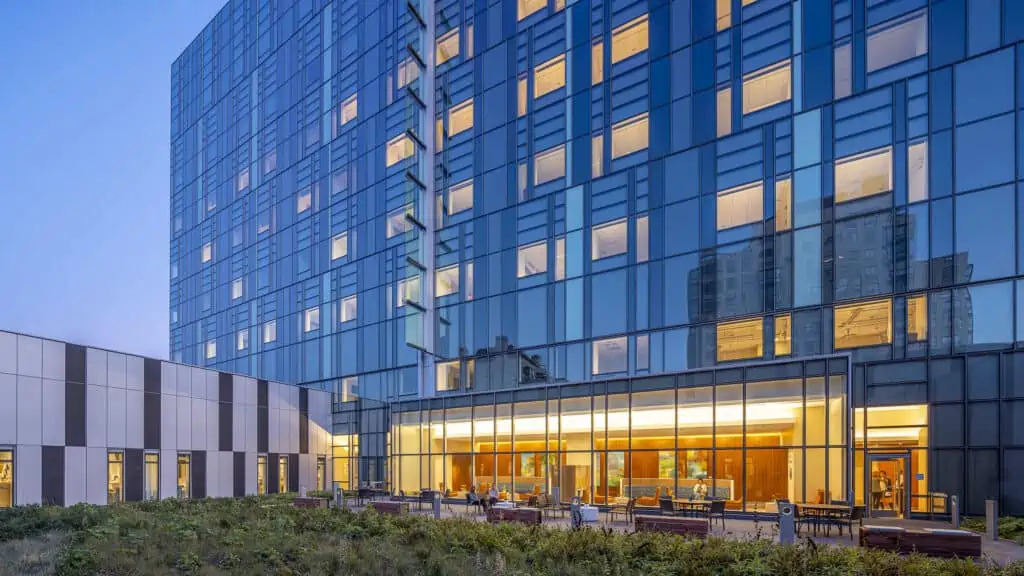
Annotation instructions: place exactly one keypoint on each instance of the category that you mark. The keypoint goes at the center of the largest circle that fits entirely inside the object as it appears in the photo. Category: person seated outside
(492, 496)
(473, 499)
(700, 490)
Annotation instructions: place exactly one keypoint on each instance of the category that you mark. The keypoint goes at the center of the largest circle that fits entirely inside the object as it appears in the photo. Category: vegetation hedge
(266, 535)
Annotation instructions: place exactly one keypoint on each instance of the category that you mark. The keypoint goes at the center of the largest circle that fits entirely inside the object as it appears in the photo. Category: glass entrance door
(887, 480)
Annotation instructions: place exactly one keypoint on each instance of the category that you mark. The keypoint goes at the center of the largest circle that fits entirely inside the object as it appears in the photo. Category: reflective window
(629, 39)
(261, 474)
(526, 7)
(242, 339)
(766, 87)
(985, 235)
(349, 308)
(339, 245)
(783, 335)
(521, 96)
(460, 197)
(447, 376)
(597, 62)
(892, 43)
(984, 153)
(681, 293)
(151, 482)
(349, 109)
(549, 76)
(982, 318)
(740, 340)
(643, 355)
(917, 319)
(843, 84)
(236, 289)
(723, 111)
(269, 331)
(740, 205)
(399, 148)
(608, 240)
(311, 319)
(863, 175)
(211, 349)
(738, 280)
(397, 223)
(863, 324)
(917, 171)
(303, 200)
(642, 239)
(783, 204)
(207, 252)
(610, 355)
(408, 290)
(184, 475)
(447, 46)
(629, 136)
(723, 14)
(408, 70)
(597, 155)
(549, 165)
(532, 259)
(864, 260)
(446, 281)
(460, 117)
(560, 258)
(608, 303)
(243, 180)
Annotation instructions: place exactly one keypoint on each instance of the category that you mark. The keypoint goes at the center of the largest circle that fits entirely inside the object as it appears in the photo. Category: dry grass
(37, 555)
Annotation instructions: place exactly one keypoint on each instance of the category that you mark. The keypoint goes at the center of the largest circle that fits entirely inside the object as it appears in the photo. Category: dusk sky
(84, 168)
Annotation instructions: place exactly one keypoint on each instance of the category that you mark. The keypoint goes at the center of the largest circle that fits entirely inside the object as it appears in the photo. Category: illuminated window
(521, 98)
(559, 5)
(723, 111)
(269, 331)
(597, 62)
(783, 335)
(560, 258)
(211, 349)
(549, 76)
(349, 109)
(408, 290)
(526, 7)
(261, 474)
(723, 14)
(629, 39)
(766, 87)
(610, 355)
(863, 175)
(468, 290)
(608, 240)
(460, 117)
(184, 475)
(863, 324)
(151, 490)
(447, 376)
(236, 288)
(311, 319)
(115, 477)
(597, 155)
(460, 197)
(532, 259)
(549, 165)
(469, 40)
(740, 205)
(243, 180)
(446, 281)
(282, 474)
(629, 136)
(242, 339)
(207, 252)
(339, 246)
(740, 340)
(350, 389)
(408, 70)
(439, 134)
(917, 171)
(783, 204)
(447, 46)
(891, 43)
(397, 222)
(917, 318)
(349, 308)
(303, 200)
(399, 148)
(642, 239)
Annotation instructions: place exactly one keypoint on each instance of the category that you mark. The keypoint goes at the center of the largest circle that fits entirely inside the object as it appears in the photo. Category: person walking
(876, 490)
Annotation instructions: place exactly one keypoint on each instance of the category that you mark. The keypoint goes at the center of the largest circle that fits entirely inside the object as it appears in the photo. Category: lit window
(264, 221)
(740, 340)
(311, 319)
(723, 111)
(460, 197)
(397, 222)
(549, 76)
(399, 148)
(917, 171)
(892, 43)
(843, 75)
(629, 136)
(184, 475)
(560, 258)
(408, 290)
(447, 46)
(236, 289)
(7, 478)
(468, 291)
(115, 477)
(261, 474)
(469, 40)
(339, 246)
(642, 239)
(549, 165)
(608, 240)
(446, 281)
(243, 179)
(559, 5)
(783, 335)
(597, 62)
(303, 200)
(174, 271)
(766, 87)
(917, 318)
(597, 155)
(151, 490)
(610, 355)
(408, 70)
(211, 349)
(629, 39)
(521, 97)
(349, 308)
(863, 324)
(439, 134)
(207, 252)
(723, 14)
(242, 339)
(863, 175)
(269, 331)
(460, 117)
(740, 205)
(526, 7)
(783, 204)
(282, 474)
(447, 376)
(521, 180)
(350, 389)
(349, 109)
(533, 259)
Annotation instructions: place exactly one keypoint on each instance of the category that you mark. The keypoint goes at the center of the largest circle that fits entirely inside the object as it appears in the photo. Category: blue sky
(84, 169)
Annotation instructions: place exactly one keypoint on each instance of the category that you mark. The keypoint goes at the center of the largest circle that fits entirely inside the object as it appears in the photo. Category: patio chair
(627, 510)
(470, 501)
(667, 507)
(717, 510)
(856, 516)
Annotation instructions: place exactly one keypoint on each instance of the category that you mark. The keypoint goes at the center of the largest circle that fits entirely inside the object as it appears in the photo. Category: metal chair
(717, 510)
(627, 510)
(667, 507)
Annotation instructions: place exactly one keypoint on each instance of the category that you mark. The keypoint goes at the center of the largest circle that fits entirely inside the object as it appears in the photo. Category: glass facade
(405, 200)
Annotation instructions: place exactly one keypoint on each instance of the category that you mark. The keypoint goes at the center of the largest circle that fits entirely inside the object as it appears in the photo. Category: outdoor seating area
(821, 518)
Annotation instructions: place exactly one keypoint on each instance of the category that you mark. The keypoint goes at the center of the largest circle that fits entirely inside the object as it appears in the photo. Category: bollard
(339, 496)
(954, 506)
(556, 493)
(787, 524)
(992, 519)
(437, 505)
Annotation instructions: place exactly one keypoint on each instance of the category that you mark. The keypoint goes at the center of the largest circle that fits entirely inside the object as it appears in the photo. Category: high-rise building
(606, 247)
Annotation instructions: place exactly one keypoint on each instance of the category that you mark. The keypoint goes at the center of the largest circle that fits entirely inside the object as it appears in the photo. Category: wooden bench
(392, 507)
(520, 515)
(310, 502)
(932, 542)
(686, 527)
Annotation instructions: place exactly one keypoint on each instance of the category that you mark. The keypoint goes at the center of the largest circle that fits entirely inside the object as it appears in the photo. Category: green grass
(1010, 527)
(269, 536)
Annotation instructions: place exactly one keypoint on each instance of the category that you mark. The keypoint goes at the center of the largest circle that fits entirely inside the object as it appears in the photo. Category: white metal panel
(30, 357)
(96, 416)
(116, 407)
(251, 422)
(136, 374)
(198, 433)
(117, 370)
(74, 475)
(168, 474)
(30, 410)
(184, 423)
(8, 353)
(8, 409)
(95, 367)
(53, 412)
(168, 379)
(134, 427)
(184, 383)
(212, 385)
(96, 475)
(168, 422)
(28, 475)
(198, 389)
(53, 360)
